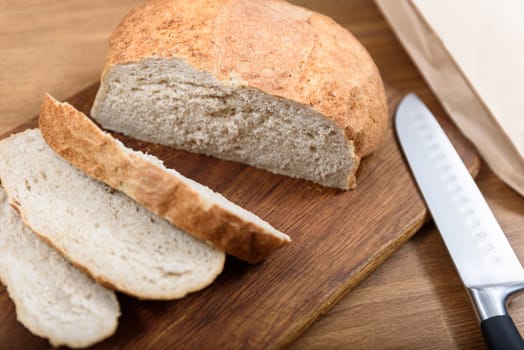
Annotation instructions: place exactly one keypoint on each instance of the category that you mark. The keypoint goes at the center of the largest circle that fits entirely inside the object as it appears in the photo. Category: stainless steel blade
(477, 244)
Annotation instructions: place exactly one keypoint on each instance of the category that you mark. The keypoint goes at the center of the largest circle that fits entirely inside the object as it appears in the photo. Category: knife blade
(482, 255)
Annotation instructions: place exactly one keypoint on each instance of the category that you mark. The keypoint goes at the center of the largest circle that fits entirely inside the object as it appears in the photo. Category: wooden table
(413, 301)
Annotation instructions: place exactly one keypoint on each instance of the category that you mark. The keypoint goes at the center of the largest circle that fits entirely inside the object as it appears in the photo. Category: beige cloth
(472, 55)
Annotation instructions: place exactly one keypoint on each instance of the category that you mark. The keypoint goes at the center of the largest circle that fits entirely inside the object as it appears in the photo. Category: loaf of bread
(53, 299)
(185, 203)
(260, 82)
(118, 242)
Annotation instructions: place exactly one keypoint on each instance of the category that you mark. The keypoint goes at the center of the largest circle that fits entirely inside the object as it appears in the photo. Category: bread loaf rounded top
(271, 45)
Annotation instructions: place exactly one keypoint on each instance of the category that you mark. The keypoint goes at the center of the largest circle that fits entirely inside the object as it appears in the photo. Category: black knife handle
(500, 333)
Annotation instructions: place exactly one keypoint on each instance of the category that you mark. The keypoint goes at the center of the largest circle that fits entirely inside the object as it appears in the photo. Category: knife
(482, 255)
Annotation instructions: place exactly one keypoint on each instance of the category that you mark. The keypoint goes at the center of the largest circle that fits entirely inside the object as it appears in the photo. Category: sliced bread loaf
(261, 82)
(189, 205)
(117, 241)
(53, 299)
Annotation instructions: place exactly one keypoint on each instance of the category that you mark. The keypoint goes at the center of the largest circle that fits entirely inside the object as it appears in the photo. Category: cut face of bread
(104, 232)
(264, 82)
(187, 204)
(170, 103)
(53, 299)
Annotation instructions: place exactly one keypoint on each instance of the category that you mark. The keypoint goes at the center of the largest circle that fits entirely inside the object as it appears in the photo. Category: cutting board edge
(368, 267)
(362, 271)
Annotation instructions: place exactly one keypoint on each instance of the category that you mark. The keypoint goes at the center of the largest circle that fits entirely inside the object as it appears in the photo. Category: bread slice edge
(191, 206)
(26, 319)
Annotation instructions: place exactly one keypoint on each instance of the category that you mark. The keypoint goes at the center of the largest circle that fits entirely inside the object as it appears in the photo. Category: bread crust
(77, 139)
(271, 45)
(56, 239)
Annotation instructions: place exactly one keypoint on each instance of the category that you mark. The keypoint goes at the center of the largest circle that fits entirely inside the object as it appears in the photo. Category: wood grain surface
(413, 301)
(339, 237)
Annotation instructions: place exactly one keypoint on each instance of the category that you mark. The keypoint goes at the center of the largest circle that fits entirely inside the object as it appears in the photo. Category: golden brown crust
(77, 139)
(281, 49)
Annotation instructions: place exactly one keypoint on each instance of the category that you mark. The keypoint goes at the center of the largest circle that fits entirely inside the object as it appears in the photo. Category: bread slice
(53, 299)
(185, 203)
(117, 241)
(261, 82)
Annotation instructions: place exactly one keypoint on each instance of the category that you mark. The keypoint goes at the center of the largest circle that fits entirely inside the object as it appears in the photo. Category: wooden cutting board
(338, 237)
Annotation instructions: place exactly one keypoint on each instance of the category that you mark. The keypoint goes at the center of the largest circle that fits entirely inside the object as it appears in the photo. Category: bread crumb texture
(261, 82)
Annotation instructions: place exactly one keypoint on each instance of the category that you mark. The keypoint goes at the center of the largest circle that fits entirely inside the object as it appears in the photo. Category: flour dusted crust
(271, 45)
(77, 139)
